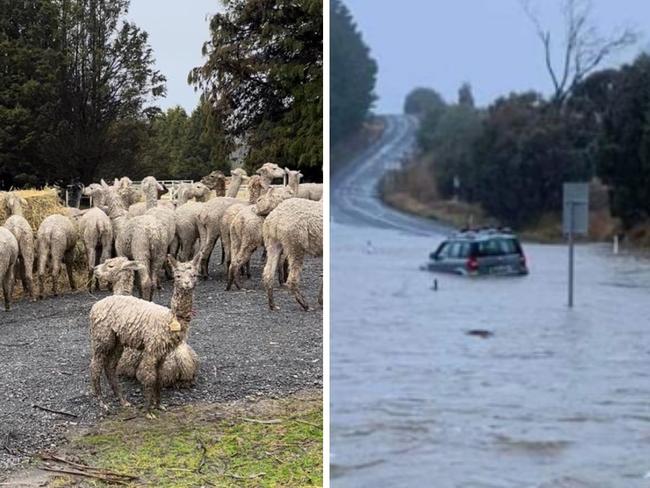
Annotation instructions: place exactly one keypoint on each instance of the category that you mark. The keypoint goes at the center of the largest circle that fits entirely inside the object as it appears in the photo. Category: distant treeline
(513, 157)
(78, 93)
(352, 76)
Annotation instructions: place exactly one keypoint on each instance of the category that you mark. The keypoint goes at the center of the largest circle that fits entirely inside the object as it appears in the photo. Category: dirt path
(244, 350)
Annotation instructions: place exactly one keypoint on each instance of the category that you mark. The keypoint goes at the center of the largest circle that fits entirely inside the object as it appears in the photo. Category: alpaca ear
(300, 175)
(287, 170)
(23, 201)
(197, 259)
(104, 184)
(132, 266)
(172, 261)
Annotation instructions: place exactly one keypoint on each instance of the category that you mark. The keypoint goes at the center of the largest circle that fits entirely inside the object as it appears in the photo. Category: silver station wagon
(480, 252)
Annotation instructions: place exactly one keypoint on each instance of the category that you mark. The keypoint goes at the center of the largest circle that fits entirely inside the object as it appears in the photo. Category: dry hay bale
(40, 204)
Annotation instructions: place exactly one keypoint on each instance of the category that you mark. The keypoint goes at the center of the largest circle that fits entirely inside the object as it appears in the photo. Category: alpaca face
(111, 269)
(185, 274)
(271, 170)
(199, 190)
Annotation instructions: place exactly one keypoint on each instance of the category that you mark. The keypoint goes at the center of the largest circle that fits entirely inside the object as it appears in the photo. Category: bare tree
(584, 47)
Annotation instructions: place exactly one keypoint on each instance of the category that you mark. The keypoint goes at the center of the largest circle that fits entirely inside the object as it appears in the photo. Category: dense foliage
(263, 78)
(352, 75)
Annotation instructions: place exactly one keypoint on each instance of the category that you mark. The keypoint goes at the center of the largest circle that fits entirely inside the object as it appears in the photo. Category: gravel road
(244, 350)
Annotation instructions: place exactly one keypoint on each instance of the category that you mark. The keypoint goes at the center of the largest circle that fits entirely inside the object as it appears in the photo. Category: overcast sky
(490, 44)
(177, 31)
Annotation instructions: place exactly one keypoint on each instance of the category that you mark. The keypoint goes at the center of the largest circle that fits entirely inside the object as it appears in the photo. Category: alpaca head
(114, 269)
(214, 179)
(270, 171)
(185, 274)
(14, 202)
(199, 191)
(293, 177)
(239, 172)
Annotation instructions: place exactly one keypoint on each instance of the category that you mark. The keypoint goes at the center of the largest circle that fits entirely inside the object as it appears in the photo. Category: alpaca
(8, 258)
(187, 214)
(143, 238)
(152, 190)
(216, 181)
(179, 368)
(95, 191)
(117, 322)
(254, 190)
(238, 175)
(24, 235)
(310, 191)
(269, 172)
(294, 228)
(56, 238)
(246, 230)
(187, 191)
(96, 232)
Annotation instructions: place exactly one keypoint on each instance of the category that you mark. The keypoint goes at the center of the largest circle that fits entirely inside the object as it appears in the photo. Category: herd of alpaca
(133, 337)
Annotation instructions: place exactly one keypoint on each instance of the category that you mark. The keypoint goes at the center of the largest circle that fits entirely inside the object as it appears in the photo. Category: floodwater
(556, 397)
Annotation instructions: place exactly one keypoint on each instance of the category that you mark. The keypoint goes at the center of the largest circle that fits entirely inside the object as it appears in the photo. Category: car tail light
(472, 264)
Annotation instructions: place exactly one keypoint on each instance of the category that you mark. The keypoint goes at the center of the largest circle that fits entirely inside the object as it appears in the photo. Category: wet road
(555, 398)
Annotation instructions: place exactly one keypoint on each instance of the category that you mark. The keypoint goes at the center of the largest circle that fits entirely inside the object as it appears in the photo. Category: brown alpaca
(117, 322)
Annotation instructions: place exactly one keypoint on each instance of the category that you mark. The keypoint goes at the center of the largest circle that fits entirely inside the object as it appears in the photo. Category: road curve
(354, 189)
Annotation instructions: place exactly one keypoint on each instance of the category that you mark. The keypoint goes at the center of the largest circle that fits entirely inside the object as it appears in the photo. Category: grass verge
(249, 444)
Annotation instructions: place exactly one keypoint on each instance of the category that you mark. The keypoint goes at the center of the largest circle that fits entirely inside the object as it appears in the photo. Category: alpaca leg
(8, 286)
(320, 292)
(147, 375)
(28, 269)
(157, 262)
(110, 367)
(68, 257)
(56, 270)
(145, 283)
(273, 256)
(92, 256)
(295, 267)
(206, 250)
(42, 264)
(96, 366)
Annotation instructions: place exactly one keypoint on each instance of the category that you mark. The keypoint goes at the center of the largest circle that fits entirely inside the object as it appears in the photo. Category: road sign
(575, 219)
(575, 208)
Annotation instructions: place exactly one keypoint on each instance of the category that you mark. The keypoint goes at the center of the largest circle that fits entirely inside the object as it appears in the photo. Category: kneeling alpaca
(179, 368)
(117, 322)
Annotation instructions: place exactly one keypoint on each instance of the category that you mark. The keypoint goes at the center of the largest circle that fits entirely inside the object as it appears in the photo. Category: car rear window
(498, 247)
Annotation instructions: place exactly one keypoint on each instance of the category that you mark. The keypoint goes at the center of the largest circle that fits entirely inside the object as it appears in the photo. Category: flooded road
(555, 398)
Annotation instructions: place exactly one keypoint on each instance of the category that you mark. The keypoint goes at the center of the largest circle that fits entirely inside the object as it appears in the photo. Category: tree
(29, 62)
(624, 149)
(423, 101)
(526, 151)
(263, 79)
(353, 75)
(584, 47)
(465, 96)
(107, 77)
(452, 150)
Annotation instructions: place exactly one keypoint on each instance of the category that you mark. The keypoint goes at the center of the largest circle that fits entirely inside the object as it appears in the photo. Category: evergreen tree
(352, 75)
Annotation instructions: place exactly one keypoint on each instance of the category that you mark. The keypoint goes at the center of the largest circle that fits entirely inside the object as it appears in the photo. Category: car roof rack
(473, 233)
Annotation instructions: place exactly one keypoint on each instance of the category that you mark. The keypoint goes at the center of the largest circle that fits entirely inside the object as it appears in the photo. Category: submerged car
(480, 252)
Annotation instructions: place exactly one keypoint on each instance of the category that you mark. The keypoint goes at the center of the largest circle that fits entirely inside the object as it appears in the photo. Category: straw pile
(40, 204)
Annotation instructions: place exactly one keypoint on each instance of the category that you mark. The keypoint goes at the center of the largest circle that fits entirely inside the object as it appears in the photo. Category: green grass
(212, 446)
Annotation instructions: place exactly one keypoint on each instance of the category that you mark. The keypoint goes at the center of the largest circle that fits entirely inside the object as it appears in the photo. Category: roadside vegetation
(353, 76)
(506, 163)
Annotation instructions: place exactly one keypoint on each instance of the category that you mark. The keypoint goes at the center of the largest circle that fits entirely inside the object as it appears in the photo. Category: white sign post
(575, 220)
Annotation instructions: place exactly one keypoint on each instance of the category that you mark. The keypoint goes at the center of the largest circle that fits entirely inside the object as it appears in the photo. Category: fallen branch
(45, 409)
(256, 421)
(251, 477)
(52, 457)
(74, 472)
(308, 423)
